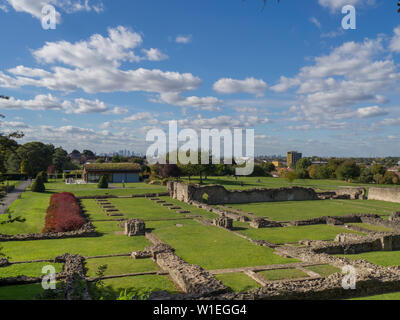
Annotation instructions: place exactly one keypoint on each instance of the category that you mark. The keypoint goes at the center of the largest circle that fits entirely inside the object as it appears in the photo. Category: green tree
(103, 183)
(60, 159)
(348, 170)
(38, 185)
(36, 157)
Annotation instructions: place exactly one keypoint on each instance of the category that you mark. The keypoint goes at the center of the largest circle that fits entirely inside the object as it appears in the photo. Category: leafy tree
(103, 183)
(88, 153)
(43, 175)
(100, 160)
(259, 171)
(60, 159)
(36, 157)
(366, 176)
(38, 185)
(303, 164)
(268, 167)
(333, 165)
(378, 169)
(348, 170)
(318, 172)
(291, 176)
(170, 170)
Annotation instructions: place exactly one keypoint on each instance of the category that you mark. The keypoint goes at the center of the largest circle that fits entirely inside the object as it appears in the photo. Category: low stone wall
(191, 279)
(217, 194)
(87, 230)
(74, 271)
(384, 194)
(335, 220)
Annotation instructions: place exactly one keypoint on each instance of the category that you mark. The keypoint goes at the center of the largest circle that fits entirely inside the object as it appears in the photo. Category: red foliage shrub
(63, 214)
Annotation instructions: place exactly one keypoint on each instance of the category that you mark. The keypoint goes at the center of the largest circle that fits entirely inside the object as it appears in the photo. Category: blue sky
(112, 70)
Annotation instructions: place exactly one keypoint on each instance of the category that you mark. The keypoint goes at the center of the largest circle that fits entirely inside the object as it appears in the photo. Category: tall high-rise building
(292, 158)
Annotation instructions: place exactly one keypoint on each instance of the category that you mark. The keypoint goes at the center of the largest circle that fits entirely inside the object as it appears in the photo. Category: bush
(63, 214)
(38, 185)
(103, 183)
(43, 175)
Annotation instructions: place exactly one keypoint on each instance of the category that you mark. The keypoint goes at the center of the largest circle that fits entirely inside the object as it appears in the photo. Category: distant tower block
(224, 222)
(135, 227)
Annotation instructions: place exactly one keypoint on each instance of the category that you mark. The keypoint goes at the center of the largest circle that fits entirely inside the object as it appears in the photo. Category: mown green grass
(147, 283)
(381, 258)
(21, 292)
(142, 208)
(31, 206)
(370, 227)
(386, 296)
(237, 281)
(212, 247)
(120, 265)
(107, 243)
(281, 274)
(324, 270)
(266, 182)
(302, 210)
(27, 269)
(293, 234)
(92, 190)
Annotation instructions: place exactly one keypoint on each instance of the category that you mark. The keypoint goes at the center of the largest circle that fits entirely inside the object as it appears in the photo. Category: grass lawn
(370, 227)
(27, 269)
(31, 206)
(386, 296)
(147, 283)
(324, 270)
(381, 258)
(294, 234)
(120, 265)
(107, 243)
(212, 247)
(266, 182)
(91, 189)
(281, 274)
(238, 281)
(302, 210)
(142, 208)
(21, 292)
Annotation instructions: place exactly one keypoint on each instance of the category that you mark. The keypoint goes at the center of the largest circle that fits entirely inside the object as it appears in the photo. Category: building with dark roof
(115, 172)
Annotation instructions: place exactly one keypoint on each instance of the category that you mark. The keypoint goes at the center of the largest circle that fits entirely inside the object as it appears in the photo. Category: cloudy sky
(112, 70)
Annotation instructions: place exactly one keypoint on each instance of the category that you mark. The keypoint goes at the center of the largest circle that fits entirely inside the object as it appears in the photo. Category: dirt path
(9, 198)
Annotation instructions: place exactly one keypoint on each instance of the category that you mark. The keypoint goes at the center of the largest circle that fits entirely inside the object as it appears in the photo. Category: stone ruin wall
(217, 194)
(384, 194)
(191, 279)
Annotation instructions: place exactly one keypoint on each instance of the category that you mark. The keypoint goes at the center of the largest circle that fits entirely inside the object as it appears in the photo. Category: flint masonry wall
(384, 194)
(219, 195)
(190, 278)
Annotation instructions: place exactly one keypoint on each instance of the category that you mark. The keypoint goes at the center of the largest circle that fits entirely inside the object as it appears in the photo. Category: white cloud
(95, 66)
(335, 5)
(335, 84)
(40, 102)
(49, 102)
(155, 54)
(395, 41)
(96, 52)
(248, 85)
(183, 39)
(34, 7)
(369, 112)
(204, 103)
(80, 106)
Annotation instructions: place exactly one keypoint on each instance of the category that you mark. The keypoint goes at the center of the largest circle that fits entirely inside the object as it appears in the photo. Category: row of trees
(341, 169)
(165, 171)
(34, 157)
